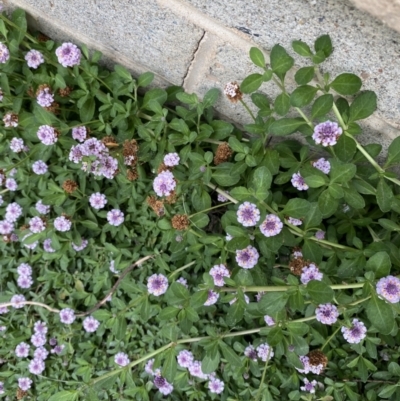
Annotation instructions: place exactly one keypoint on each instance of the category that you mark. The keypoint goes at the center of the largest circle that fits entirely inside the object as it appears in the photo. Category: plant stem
(223, 193)
(263, 377)
(248, 110)
(9, 22)
(211, 208)
(5, 304)
(181, 269)
(305, 117)
(339, 117)
(330, 338)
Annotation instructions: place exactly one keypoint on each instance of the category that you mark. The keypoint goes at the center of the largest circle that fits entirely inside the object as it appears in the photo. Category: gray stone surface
(138, 30)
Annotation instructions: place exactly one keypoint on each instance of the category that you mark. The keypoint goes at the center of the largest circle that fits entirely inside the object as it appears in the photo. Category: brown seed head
(130, 148)
(7, 238)
(180, 222)
(296, 265)
(317, 357)
(69, 186)
(232, 92)
(170, 199)
(24, 227)
(223, 153)
(42, 88)
(21, 394)
(156, 205)
(162, 167)
(54, 108)
(109, 141)
(42, 37)
(30, 92)
(132, 174)
(65, 92)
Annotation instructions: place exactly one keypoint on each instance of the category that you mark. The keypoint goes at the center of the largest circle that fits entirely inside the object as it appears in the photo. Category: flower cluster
(164, 183)
(157, 284)
(68, 55)
(218, 272)
(248, 215)
(24, 275)
(248, 257)
(327, 314)
(355, 333)
(327, 133)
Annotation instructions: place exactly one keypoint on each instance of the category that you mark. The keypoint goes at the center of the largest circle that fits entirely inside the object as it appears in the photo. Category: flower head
(90, 324)
(264, 351)
(62, 224)
(248, 215)
(298, 182)
(36, 366)
(68, 54)
(185, 358)
(216, 386)
(232, 92)
(10, 119)
(47, 135)
(389, 289)
(4, 53)
(24, 269)
(164, 183)
(327, 133)
(39, 167)
(79, 133)
(80, 247)
(24, 383)
(356, 333)
(36, 225)
(157, 284)
(45, 97)
(67, 316)
(163, 386)
(271, 226)
(218, 272)
(41, 353)
(212, 298)
(47, 246)
(269, 320)
(34, 58)
(18, 301)
(247, 258)
(22, 350)
(309, 386)
(13, 212)
(250, 352)
(24, 281)
(322, 165)
(41, 208)
(11, 184)
(97, 200)
(121, 359)
(195, 370)
(40, 327)
(38, 340)
(17, 145)
(320, 234)
(309, 273)
(171, 159)
(327, 313)
(115, 217)
(294, 222)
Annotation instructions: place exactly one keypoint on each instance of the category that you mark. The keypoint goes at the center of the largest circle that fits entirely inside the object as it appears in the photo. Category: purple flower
(97, 200)
(24, 383)
(356, 333)
(40, 327)
(62, 224)
(1, 200)
(41, 208)
(264, 351)
(39, 167)
(67, 316)
(47, 135)
(157, 284)
(53, 342)
(58, 349)
(389, 289)
(212, 298)
(327, 133)
(271, 226)
(24, 281)
(115, 217)
(11, 184)
(164, 183)
(216, 386)
(47, 246)
(10, 119)
(80, 247)
(90, 324)
(195, 370)
(322, 165)
(79, 133)
(13, 212)
(4, 53)
(307, 368)
(36, 225)
(320, 234)
(18, 301)
(182, 281)
(246, 299)
(309, 273)
(45, 98)
(247, 258)
(68, 54)
(22, 350)
(185, 358)
(24, 269)
(309, 386)
(41, 353)
(148, 367)
(220, 198)
(294, 222)
(250, 352)
(259, 295)
(34, 58)
(269, 320)
(298, 182)
(17, 145)
(163, 386)
(36, 366)
(248, 214)
(171, 159)
(218, 272)
(38, 340)
(121, 359)
(327, 313)
(6, 227)
(228, 237)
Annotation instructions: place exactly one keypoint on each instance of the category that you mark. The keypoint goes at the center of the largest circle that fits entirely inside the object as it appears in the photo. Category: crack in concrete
(195, 51)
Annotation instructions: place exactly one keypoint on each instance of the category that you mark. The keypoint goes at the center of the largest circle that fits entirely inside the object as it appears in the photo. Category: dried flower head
(132, 174)
(156, 205)
(109, 141)
(232, 92)
(180, 222)
(130, 148)
(223, 153)
(69, 186)
(65, 92)
(316, 358)
(296, 265)
(163, 167)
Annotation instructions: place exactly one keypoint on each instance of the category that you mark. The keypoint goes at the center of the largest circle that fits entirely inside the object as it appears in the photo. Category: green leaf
(210, 363)
(200, 220)
(168, 313)
(156, 94)
(301, 48)
(388, 390)
(257, 57)
(170, 365)
(285, 126)
(261, 101)
(19, 19)
(223, 176)
(60, 82)
(282, 104)
(280, 60)
(380, 315)
(327, 204)
(240, 193)
(272, 303)
(251, 83)
(353, 198)
(324, 44)
(345, 148)
(294, 360)
(342, 173)
(313, 216)
(87, 110)
(384, 196)
(64, 396)
(229, 354)
(298, 328)
(346, 84)
(235, 314)
(301, 346)
(380, 264)
(315, 181)
(145, 79)
(145, 309)
(303, 95)
(312, 251)
(43, 116)
(275, 336)
(320, 292)
(363, 106)
(322, 106)
(304, 75)
(123, 73)
(296, 208)
(210, 98)
(336, 191)
(389, 225)
(393, 156)
(236, 145)
(262, 180)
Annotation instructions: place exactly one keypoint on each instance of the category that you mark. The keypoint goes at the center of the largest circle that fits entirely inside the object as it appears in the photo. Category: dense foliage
(152, 251)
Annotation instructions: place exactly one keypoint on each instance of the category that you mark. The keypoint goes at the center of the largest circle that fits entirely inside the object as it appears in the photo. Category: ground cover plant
(151, 251)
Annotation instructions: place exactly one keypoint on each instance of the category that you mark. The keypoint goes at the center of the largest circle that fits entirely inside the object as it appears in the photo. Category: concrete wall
(202, 44)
